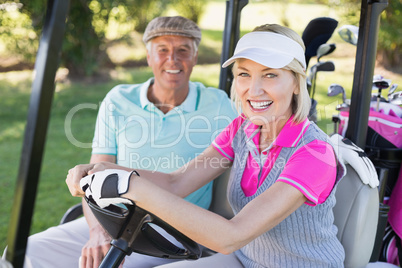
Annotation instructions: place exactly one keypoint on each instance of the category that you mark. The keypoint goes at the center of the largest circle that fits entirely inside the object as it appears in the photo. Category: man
(158, 125)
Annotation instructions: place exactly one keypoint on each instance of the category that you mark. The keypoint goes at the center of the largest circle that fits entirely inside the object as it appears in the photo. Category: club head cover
(353, 155)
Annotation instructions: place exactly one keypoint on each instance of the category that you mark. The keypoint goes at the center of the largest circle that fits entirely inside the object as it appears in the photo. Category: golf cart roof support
(364, 70)
(47, 62)
(231, 35)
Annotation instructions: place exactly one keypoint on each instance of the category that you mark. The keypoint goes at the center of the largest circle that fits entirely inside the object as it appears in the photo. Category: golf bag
(384, 148)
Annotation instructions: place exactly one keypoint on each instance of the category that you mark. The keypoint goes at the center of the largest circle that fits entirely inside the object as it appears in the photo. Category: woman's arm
(203, 226)
(182, 182)
(209, 229)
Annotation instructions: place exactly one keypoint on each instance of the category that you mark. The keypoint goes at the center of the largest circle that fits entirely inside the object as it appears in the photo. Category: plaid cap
(172, 26)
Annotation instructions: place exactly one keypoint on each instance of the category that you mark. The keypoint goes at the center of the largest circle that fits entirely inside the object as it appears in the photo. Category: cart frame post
(46, 65)
(364, 69)
(230, 37)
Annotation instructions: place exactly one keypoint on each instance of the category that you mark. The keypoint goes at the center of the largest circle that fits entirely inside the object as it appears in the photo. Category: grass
(65, 146)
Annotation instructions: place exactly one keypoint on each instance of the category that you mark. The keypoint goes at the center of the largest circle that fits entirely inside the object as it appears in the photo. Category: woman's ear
(296, 84)
(296, 90)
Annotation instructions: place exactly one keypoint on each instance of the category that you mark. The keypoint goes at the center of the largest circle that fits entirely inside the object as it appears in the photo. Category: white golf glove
(354, 156)
(105, 187)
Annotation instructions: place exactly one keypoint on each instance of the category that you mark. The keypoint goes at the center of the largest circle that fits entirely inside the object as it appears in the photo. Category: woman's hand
(75, 175)
(106, 187)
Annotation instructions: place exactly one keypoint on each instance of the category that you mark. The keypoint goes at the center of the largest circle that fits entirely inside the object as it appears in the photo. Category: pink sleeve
(223, 142)
(312, 170)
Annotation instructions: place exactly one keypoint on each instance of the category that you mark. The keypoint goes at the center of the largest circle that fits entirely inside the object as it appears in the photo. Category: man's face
(172, 59)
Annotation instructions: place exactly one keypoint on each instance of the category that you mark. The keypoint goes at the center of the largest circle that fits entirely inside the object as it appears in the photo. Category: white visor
(269, 49)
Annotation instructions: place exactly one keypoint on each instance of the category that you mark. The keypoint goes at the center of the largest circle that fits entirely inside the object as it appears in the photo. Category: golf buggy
(359, 214)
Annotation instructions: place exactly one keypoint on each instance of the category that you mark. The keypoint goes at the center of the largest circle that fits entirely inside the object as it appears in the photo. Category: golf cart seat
(356, 216)
(72, 213)
(220, 204)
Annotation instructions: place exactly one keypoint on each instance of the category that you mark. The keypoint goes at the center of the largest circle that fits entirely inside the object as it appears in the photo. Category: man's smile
(173, 71)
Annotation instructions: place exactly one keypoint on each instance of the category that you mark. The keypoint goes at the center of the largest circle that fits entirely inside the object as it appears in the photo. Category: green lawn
(68, 145)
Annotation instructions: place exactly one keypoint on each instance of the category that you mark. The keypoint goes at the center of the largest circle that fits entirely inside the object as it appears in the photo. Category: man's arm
(99, 241)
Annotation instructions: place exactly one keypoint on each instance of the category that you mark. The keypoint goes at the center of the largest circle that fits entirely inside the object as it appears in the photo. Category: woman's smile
(259, 106)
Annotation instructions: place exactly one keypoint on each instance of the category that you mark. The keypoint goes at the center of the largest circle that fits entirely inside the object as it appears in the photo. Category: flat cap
(176, 25)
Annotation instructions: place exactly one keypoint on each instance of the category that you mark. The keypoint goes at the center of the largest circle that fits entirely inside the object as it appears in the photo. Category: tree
(142, 12)
(192, 9)
(389, 39)
(85, 42)
(82, 46)
(16, 31)
(389, 51)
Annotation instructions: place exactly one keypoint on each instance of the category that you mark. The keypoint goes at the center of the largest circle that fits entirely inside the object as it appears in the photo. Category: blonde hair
(301, 102)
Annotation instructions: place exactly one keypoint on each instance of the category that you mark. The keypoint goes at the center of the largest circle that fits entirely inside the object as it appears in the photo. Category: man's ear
(196, 58)
(148, 59)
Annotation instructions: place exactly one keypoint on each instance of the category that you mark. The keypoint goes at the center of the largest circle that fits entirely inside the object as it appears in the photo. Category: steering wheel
(134, 229)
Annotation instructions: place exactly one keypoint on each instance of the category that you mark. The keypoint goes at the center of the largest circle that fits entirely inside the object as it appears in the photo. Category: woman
(283, 169)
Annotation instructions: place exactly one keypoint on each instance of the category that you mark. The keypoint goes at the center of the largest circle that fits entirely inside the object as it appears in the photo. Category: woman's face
(266, 94)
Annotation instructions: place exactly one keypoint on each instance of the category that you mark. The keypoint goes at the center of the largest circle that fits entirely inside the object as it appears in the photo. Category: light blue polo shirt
(141, 136)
